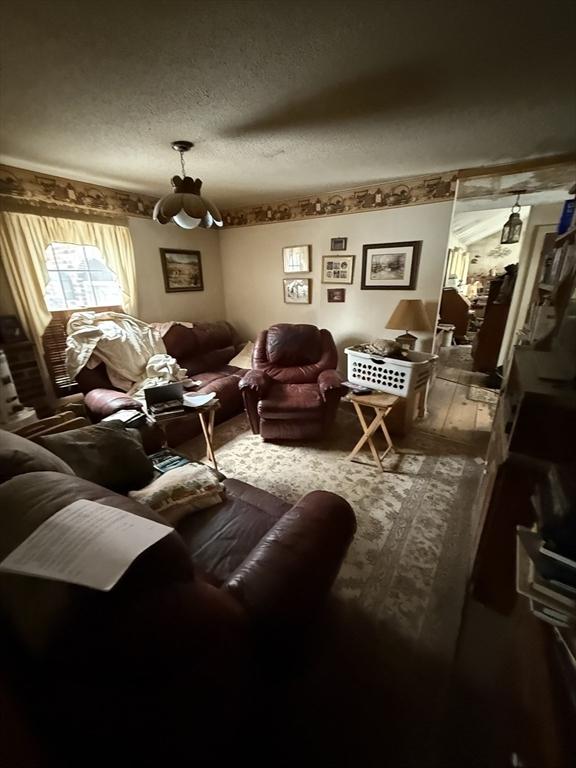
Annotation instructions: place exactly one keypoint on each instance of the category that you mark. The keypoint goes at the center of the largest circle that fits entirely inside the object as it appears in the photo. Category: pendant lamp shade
(185, 206)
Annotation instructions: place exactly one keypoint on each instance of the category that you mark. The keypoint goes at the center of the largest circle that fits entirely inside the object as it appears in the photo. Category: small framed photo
(336, 295)
(297, 290)
(296, 258)
(338, 243)
(390, 266)
(338, 269)
(182, 270)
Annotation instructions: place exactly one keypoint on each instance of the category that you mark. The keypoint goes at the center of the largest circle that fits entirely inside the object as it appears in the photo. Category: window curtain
(23, 240)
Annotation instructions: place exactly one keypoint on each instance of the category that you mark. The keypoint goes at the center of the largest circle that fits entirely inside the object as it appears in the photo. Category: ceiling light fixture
(185, 206)
(513, 227)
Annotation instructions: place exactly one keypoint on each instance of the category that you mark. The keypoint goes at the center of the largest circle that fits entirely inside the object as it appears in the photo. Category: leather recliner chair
(293, 389)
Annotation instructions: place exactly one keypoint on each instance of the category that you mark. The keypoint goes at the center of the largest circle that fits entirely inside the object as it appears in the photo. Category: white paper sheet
(85, 543)
(195, 401)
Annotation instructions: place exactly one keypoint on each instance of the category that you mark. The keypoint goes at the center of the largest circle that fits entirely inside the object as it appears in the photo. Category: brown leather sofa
(166, 668)
(293, 389)
(204, 351)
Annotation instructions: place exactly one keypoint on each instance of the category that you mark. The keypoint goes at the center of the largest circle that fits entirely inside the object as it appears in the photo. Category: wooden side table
(206, 415)
(381, 404)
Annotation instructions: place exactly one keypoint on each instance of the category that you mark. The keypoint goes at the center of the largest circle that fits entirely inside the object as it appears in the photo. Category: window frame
(87, 271)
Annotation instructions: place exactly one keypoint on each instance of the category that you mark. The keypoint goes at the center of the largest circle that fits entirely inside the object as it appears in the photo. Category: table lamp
(411, 316)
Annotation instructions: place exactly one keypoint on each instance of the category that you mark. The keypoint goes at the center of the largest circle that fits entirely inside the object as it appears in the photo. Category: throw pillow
(107, 455)
(19, 456)
(244, 358)
(182, 490)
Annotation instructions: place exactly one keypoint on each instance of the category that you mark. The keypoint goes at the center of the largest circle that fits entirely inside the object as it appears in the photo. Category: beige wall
(252, 271)
(154, 303)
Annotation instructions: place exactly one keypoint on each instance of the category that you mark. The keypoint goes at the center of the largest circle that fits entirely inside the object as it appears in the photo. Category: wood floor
(460, 406)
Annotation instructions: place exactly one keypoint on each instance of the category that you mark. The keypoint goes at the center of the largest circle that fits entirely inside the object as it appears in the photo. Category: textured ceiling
(282, 98)
(470, 227)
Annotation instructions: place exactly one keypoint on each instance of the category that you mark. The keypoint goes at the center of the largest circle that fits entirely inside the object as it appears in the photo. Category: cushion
(244, 358)
(292, 401)
(19, 455)
(108, 455)
(182, 490)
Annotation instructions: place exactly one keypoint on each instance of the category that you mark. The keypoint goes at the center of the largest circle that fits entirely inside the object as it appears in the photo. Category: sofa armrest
(105, 402)
(289, 573)
(328, 380)
(256, 380)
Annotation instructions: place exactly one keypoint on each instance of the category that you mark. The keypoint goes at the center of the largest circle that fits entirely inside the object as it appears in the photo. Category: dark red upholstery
(204, 351)
(293, 390)
(160, 670)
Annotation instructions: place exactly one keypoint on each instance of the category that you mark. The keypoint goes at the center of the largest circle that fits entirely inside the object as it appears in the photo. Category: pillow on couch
(107, 455)
(19, 456)
(244, 358)
(182, 490)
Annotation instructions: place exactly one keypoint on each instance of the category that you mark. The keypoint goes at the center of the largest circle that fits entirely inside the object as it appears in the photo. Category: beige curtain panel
(23, 240)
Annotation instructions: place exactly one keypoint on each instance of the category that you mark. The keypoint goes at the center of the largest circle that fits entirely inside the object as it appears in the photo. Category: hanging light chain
(181, 151)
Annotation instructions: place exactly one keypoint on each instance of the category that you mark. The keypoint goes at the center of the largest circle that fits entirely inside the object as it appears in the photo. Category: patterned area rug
(405, 573)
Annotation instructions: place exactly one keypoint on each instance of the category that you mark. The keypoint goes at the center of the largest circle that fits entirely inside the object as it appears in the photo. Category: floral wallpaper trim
(40, 190)
(31, 190)
(386, 194)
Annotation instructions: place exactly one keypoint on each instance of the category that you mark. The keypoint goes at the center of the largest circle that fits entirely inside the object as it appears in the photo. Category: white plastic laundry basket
(397, 377)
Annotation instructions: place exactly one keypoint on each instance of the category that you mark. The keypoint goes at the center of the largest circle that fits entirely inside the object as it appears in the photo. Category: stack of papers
(85, 543)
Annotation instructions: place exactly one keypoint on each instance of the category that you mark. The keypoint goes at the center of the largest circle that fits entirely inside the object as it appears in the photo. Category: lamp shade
(409, 315)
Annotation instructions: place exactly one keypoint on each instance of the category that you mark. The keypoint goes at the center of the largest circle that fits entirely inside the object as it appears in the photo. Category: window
(78, 278)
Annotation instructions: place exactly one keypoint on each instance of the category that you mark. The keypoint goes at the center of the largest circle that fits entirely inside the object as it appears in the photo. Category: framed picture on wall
(337, 269)
(336, 295)
(338, 243)
(182, 270)
(390, 266)
(296, 258)
(297, 290)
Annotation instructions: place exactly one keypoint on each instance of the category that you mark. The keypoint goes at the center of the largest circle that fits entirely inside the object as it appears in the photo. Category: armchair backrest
(294, 354)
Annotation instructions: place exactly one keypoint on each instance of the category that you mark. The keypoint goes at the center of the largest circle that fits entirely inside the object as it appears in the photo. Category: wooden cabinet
(455, 310)
(26, 375)
(535, 424)
(527, 689)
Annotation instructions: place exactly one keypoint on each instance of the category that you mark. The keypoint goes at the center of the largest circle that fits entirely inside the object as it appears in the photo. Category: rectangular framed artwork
(337, 269)
(297, 290)
(296, 258)
(338, 243)
(182, 270)
(336, 295)
(390, 266)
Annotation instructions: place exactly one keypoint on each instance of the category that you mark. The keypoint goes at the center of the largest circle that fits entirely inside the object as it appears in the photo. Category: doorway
(488, 283)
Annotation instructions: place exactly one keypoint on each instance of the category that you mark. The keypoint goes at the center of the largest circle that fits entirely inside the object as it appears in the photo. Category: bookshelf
(533, 436)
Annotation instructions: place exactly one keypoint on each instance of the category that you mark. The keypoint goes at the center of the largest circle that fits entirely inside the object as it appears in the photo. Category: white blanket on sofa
(133, 351)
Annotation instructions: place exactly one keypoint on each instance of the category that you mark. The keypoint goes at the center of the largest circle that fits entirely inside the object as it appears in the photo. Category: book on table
(166, 409)
(167, 459)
